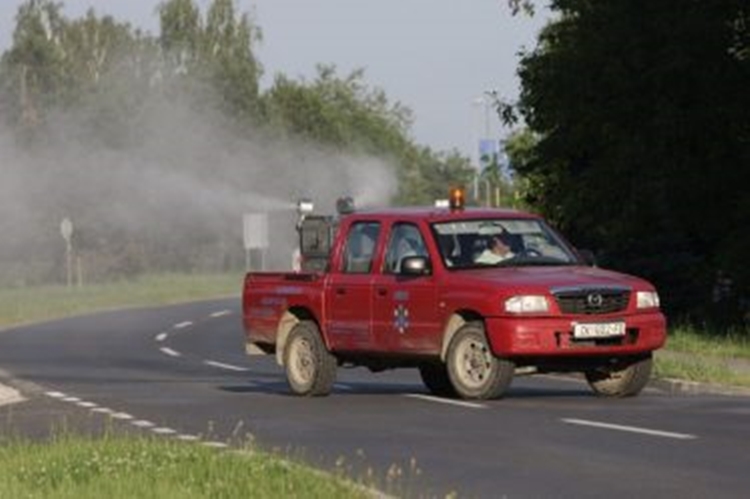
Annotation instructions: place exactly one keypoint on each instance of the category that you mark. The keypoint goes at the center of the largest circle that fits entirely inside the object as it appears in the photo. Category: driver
(497, 251)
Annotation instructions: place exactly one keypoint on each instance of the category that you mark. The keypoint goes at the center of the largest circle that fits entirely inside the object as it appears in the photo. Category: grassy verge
(34, 304)
(123, 468)
(696, 356)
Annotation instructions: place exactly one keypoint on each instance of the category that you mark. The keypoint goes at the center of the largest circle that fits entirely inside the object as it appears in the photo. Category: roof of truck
(434, 214)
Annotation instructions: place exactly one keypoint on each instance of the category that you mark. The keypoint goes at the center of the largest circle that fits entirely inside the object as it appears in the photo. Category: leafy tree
(212, 54)
(644, 139)
(346, 114)
(341, 112)
(33, 69)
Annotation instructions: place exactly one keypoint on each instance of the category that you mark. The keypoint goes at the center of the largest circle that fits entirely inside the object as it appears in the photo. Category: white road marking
(55, 395)
(86, 405)
(161, 336)
(102, 410)
(71, 399)
(631, 429)
(182, 325)
(170, 352)
(188, 438)
(228, 367)
(164, 431)
(142, 423)
(122, 415)
(220, 314)
(459, 403)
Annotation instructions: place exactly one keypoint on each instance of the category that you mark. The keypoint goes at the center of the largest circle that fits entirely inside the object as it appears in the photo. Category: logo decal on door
(401, 318)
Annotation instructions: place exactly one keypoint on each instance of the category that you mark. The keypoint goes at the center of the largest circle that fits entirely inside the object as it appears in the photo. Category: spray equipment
(316, 233)
(345, 205)
(305, 207)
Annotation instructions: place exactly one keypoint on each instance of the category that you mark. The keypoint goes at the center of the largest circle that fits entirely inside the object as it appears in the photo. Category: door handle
(340, 291)
(382, 292)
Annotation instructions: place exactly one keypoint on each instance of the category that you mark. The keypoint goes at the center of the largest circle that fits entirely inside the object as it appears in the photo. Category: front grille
(592, 301)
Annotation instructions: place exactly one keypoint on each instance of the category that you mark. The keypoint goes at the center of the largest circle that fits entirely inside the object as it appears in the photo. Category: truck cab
(467, 296)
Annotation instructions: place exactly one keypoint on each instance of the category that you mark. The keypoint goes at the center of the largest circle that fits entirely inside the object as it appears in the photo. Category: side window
(405, 240)
(360, 247)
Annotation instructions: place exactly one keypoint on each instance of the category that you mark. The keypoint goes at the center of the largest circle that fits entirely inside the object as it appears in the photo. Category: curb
(674, 386)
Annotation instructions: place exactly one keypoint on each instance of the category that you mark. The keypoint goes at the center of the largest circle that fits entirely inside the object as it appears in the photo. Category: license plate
(598, 330)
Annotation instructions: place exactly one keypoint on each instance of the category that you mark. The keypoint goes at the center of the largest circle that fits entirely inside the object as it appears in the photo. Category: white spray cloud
(176, 177)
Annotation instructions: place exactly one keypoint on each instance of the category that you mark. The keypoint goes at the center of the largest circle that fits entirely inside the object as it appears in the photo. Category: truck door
(348, 301)
(405, 314)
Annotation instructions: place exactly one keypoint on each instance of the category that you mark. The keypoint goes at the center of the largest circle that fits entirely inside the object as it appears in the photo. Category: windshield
(500, 242)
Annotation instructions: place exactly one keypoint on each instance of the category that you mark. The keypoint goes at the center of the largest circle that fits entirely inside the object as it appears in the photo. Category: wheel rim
(302, 361)
(474, 362)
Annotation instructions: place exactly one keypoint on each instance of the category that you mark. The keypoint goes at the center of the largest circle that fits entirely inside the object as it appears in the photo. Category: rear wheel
(435, 377)
(310, 367)
(623, 379)
(474, 371)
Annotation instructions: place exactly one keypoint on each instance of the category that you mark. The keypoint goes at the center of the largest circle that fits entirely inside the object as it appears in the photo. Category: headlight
(647, 299)
(525, 304)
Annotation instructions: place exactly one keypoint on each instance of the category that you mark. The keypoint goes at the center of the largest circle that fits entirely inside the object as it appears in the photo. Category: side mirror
(415, 266)
(588, 257)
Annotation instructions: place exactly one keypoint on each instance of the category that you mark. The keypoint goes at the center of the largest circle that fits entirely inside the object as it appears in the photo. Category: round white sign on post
(66, 228)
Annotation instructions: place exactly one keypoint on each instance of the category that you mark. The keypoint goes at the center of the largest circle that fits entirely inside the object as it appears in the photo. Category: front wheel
(474, 371)
(623, 379)
(310, 367)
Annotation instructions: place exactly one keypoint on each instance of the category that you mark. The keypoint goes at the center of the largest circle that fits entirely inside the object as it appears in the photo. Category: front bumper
(553, 336)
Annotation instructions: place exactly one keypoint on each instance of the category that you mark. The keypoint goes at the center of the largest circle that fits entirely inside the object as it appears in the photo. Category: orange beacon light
(457, 198)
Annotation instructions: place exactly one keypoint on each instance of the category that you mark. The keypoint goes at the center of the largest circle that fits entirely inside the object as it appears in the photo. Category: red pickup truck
(467, 296)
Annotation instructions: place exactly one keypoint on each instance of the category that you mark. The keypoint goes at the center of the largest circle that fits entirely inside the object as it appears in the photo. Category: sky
(436, 57)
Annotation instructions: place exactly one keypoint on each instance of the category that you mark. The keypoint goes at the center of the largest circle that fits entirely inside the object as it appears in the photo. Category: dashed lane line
(630, 429)
(142, 423)
(188, 438)
(164, 431)
(221, 313)
(226, 367)
(182, 325)
(170, 352)
(458, 403)
(161, 337)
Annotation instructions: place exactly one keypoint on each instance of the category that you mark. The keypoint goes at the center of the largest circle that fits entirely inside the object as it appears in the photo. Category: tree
(33, 69)
(212, 55)
(341, 112)
(644, 139)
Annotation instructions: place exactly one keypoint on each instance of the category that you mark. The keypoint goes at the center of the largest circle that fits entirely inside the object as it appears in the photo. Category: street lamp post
(482, 132)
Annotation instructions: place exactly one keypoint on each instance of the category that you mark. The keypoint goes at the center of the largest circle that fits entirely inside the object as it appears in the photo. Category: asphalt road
(181, 372)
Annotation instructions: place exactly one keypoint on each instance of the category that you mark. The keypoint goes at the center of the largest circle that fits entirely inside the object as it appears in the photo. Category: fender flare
(286, 324)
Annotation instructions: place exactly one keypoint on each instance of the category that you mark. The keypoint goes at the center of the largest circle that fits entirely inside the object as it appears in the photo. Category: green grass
(735, 343)
(708, 358)
(34, 304)
(140, 467)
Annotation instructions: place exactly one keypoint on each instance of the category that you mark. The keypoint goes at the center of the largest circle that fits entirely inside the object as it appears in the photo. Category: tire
(474, 371)
(310, 367)
(623, 379)
(435, 377)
